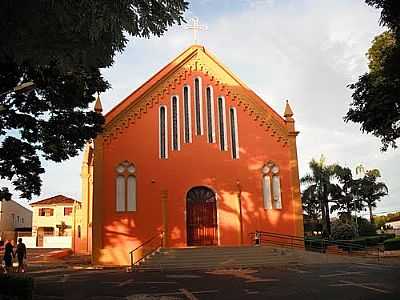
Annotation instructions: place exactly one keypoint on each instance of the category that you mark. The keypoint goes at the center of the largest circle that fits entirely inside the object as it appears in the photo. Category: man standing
(21, 255)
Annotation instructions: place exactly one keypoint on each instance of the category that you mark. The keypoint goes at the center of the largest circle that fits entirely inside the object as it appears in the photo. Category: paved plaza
(326, 281)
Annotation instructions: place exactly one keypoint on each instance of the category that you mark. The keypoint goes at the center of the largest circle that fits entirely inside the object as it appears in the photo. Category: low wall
(29, 241)
(57, 242)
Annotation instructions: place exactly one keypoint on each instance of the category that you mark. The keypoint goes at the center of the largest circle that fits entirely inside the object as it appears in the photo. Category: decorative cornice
(223, 82)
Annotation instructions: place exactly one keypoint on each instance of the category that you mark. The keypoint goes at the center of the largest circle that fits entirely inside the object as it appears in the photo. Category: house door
(40, 235)
(201, 217)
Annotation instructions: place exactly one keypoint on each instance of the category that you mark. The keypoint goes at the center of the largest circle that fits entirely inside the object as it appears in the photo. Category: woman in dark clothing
(21, 255)
(8, 256)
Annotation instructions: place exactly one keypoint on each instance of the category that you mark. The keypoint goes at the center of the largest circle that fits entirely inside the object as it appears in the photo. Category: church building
(193, 153)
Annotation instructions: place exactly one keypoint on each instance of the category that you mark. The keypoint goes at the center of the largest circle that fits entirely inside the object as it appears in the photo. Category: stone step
(218, 257)
(210, 257)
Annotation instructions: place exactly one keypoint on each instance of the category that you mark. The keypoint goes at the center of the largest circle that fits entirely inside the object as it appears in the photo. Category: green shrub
(314, 243)
(342, 231)
(365, 228)
(386, 236)
(392, 244)
(16, 287)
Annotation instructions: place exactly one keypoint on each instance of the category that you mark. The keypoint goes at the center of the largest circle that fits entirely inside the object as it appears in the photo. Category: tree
(60, 46)
(376, 94)
(345, 194)
(319, 186)
(370, 191)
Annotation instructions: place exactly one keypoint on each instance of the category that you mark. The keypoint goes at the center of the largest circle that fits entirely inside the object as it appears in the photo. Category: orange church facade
(193, 153)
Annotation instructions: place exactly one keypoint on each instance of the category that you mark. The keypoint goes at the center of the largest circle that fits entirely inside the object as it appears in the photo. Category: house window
(163, 133)
(234, 133)
(210, 115)
(67, 211)
(46, 212)
(125, 187)
(187, 112)
(23, 220)
(175, 123)
(198, 106)
(222, 123)
(79, 231)
(271, 186)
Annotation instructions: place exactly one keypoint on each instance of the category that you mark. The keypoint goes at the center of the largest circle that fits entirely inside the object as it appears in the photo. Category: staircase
(200, 258)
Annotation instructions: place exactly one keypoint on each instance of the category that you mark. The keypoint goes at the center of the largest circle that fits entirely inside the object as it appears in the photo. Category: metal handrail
(159, 235)
(298, 241)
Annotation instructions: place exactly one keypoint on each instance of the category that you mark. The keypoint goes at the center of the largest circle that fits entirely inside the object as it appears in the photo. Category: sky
(306, 51)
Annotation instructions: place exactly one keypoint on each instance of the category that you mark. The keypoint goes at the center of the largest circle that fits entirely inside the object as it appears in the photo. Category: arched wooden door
(201, 217)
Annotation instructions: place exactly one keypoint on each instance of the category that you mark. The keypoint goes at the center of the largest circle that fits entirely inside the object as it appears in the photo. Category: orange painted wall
(196, 164)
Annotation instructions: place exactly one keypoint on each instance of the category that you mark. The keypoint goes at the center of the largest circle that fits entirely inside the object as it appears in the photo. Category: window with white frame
(175, 129)
(125, 187)
(187, 114)
(234, 133)
(198, 105)
(163, 138)
(210, 115)
(272, 195)
(222, 124)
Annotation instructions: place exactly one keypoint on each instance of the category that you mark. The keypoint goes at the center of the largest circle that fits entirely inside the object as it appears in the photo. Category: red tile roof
(397, 218)
(59, 199)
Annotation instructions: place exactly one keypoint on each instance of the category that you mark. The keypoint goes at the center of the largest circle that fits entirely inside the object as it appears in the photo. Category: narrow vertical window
(198, 106)
(267, 192)
(163, 133)
(222, 123)
(175, 123)
(131, 193)
(187, 114)
(234, 133)
(210, 116)
(276, 188)
(120, 189)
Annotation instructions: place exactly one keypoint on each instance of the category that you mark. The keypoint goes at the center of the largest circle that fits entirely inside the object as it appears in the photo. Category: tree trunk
(371, 217)
(323, 218)
(328, 218)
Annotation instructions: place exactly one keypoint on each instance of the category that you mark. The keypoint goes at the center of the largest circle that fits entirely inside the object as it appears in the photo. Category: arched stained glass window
(210, 115)
(272, 186)
(234, 133)
(198, 106)
(187, 114)
(175, 123)
(163, 133)
(222, 123)
(125, 187)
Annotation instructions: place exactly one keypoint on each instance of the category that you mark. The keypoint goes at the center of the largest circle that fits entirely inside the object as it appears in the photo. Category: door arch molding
(201, 217)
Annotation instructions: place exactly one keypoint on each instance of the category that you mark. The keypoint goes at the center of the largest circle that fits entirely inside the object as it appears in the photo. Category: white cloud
(305, 51)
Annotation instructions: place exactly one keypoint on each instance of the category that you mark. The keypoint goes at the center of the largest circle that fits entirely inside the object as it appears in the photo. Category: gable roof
(195, 58)
(59, 199)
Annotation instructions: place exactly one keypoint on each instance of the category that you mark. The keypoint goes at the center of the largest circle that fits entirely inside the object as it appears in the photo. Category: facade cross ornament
(195, 26)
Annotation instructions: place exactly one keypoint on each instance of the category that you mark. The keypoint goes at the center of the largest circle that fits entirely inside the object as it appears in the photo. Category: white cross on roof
(196, 27)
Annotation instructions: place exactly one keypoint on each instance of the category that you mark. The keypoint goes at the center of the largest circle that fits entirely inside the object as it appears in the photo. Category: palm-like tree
(320, 187)
(370, 191)
(346, 196)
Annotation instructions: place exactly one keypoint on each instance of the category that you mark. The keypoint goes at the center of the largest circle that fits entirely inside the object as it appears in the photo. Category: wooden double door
(201, 217)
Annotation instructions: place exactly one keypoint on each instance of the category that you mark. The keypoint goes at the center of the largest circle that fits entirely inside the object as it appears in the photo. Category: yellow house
(54, 220)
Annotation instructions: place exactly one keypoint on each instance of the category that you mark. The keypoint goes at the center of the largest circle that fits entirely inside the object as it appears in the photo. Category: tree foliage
(61, 46)
(319, 190)
(376, 94)
(370, 191)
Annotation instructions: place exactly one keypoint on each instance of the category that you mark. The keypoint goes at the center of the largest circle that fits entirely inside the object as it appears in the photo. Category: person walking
(21, 255)
(8, 257)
